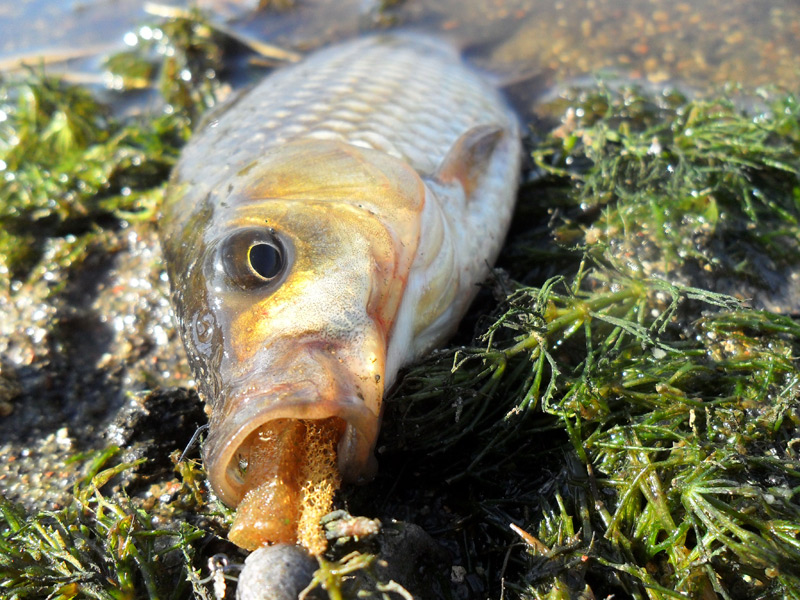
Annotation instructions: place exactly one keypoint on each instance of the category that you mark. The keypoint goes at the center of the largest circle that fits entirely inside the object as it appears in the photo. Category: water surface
(700, 45)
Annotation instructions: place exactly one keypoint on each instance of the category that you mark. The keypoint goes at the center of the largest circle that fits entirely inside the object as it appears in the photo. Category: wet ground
(79, 352)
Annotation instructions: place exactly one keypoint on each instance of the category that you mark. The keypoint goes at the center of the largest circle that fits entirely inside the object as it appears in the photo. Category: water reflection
(699, 44)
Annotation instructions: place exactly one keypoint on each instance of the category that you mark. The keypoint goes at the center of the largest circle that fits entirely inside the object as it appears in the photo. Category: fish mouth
(227, 447)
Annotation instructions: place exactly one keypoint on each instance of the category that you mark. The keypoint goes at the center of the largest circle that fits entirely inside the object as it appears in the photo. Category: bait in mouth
(329, 227)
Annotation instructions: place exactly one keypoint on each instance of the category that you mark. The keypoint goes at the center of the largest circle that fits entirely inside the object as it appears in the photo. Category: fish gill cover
(617, 416)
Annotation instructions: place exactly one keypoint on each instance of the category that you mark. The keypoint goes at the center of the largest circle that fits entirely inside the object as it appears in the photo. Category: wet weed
(102, 545)
(674, 407)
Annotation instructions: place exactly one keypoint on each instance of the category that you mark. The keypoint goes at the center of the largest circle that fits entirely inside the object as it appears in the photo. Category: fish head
(286, 281)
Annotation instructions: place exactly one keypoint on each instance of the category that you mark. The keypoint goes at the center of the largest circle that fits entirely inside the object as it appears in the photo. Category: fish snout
(305, 385)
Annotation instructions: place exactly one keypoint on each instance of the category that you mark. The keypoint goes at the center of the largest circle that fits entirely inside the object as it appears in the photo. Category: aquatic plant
(673, 408)
(102, 545)
(70, 166)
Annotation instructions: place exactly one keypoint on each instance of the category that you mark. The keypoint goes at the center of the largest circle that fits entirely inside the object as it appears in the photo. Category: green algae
(70, 166)
(674, 407)
(102, 545)
(180, 57)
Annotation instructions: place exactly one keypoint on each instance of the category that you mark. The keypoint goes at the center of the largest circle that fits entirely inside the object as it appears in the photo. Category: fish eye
(253, 257)
(265, 260)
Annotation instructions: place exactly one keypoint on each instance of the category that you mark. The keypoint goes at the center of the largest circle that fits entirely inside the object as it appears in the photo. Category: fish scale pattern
(409, 97)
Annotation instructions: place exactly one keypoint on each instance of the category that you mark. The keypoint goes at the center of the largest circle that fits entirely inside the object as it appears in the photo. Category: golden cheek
(269, 317)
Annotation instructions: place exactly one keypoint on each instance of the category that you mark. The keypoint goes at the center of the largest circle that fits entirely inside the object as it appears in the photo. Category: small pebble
(278, 572)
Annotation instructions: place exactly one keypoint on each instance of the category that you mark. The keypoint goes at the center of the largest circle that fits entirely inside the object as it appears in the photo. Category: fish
(321, 231)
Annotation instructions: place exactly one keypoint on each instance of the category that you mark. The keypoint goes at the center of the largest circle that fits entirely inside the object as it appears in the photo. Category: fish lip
(355, 451)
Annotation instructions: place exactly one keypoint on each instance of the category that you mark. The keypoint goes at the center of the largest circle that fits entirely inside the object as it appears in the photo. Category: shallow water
(699, 45)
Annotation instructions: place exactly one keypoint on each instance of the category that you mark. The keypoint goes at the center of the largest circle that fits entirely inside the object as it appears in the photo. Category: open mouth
(289, 477)
(227, 450)
(280, 458)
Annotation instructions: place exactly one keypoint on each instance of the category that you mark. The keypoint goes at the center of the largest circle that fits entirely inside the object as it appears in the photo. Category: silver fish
(329, 227)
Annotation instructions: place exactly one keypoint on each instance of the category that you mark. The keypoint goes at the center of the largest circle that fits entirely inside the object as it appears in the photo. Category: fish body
(327, 228)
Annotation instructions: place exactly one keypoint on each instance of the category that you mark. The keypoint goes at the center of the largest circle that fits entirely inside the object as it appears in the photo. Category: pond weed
(674, 405)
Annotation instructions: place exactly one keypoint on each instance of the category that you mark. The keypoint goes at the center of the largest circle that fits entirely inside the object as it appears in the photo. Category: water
(698, 45)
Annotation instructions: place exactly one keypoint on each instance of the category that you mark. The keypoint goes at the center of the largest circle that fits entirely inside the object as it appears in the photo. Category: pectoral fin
(468, 159)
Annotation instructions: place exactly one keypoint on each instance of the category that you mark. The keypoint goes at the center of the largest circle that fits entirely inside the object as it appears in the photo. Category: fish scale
(414, 109)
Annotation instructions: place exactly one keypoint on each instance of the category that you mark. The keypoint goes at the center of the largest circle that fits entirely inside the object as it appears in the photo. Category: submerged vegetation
(624, 417)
